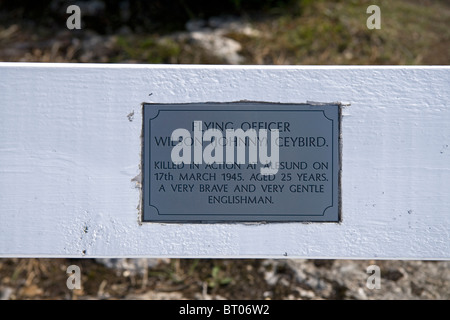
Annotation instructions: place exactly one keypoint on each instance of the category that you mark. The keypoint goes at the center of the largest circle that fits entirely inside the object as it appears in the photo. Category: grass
(146, 49)
(319, 32)
(328, 32)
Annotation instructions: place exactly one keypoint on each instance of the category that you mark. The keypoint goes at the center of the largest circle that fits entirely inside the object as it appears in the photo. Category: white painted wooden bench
(70, 152)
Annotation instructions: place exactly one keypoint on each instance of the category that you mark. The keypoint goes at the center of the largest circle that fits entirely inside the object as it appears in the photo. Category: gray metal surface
(305, 187)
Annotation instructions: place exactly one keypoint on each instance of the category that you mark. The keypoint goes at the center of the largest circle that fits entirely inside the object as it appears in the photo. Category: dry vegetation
(303, 32)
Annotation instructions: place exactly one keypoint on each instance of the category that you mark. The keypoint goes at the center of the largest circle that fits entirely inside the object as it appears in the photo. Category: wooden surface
(70, 144)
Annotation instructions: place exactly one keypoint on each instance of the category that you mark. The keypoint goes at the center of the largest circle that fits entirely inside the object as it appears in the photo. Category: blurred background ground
(223, 279)
(225, 32)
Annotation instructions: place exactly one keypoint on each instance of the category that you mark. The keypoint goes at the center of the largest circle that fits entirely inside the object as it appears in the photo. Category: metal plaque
(241, 162)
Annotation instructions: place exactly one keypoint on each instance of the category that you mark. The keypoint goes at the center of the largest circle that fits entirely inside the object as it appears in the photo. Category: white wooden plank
(68, 154)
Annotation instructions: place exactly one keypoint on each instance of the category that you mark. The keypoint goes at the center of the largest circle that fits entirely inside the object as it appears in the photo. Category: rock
(270, 274)
(222, 47)
(155, 295)
(129, 267)
(211, 36)
(5, 293)
(306, 294)
(347, 279)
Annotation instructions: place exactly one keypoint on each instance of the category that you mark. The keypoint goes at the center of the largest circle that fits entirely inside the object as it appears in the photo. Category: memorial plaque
(241, 162)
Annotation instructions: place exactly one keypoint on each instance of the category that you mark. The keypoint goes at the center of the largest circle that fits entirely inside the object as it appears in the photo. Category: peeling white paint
(70, 160)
